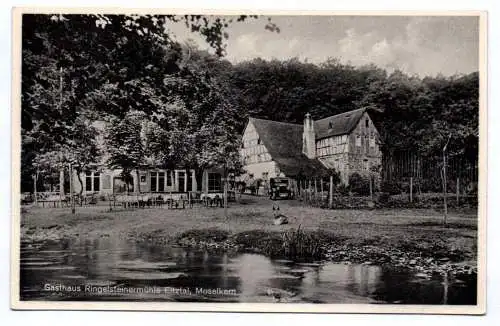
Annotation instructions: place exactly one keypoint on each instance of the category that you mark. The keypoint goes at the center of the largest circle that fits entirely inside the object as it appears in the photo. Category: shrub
(358, 184)
(384, 197)
(390, 187)
(343, 190)
(431, 185)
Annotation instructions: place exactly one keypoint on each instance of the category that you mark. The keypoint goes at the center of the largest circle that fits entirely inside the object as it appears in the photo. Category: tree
(80, 150)
(125, 146)
(107, 64)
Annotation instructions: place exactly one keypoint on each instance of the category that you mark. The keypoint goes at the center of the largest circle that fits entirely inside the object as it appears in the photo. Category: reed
(299, 244)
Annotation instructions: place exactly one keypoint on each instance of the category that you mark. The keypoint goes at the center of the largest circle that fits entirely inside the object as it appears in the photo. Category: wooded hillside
(81, 68)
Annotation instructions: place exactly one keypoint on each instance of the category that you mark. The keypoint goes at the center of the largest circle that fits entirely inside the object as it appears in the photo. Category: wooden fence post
(411, 189)
(330, 198)
(445, 192)
(307, 189)
(321, 188)
(61, 185)
(35, 181)
(371, 189)
(315, 189)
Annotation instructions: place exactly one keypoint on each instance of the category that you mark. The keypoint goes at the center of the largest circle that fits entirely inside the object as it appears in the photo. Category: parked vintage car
(280, 188)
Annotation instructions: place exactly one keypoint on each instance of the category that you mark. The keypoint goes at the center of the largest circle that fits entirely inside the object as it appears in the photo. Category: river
(106, 269)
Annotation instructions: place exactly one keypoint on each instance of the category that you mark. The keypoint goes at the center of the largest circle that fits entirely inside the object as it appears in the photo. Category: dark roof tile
(284, 140)
(284, 143)
(339, 124)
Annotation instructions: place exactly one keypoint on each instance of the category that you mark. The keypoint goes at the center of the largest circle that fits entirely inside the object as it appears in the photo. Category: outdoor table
(213, 200)
(177, 203)
(54, 202)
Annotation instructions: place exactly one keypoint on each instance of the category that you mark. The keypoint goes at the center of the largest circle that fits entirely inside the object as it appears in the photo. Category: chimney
(309, 137)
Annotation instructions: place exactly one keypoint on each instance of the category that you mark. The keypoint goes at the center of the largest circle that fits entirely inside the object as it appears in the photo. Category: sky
(422, 45)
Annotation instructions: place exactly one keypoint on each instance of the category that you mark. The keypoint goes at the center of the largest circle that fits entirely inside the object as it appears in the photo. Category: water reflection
(176, 274)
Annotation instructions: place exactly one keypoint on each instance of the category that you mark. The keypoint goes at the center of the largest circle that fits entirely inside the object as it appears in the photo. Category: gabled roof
(339, 124)
(284, 143)
(280, 138)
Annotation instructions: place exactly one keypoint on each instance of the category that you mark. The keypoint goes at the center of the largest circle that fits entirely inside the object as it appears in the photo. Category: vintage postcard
(249, 161)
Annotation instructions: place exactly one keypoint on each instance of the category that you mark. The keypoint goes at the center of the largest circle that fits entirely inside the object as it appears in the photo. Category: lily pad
(422, 275)
(148, 275)
(298, 271)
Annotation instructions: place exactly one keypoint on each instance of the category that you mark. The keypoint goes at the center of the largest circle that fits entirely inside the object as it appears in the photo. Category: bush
(390, 187)
(431, 185)
(358, 184)
(384, 197)
(343, 190)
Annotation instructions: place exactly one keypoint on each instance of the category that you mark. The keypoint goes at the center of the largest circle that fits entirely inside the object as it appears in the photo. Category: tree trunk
(138, 190)
(35, 181)
(225, 196)
(71, 197)
(79, 180)
(61, 183)
(444, 189)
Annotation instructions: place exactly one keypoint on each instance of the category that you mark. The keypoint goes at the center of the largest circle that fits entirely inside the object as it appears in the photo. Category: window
(161, 181)
(96, 181)
(214, 182)
(153, 181)
(372, 141)
(169, 178)
(366, 123)
(366, 165)
(88, 181)
(158, 181)
(92, 181)
(358, 140)
(143, 178)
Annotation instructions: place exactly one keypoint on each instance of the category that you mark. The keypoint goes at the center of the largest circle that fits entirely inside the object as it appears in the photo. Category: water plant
(297, 243)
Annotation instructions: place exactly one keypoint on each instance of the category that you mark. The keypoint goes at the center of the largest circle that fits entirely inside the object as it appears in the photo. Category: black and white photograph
(281, 162)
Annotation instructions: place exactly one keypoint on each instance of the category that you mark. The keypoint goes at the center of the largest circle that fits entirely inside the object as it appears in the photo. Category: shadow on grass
(452, 225)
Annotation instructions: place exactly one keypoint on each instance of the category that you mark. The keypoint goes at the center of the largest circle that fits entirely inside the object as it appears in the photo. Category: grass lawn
(406, 229)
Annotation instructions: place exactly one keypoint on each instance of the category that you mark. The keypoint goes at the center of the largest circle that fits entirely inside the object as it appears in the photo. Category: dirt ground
(383, 227)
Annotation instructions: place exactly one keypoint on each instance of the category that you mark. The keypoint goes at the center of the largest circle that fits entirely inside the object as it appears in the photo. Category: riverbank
(406, 238)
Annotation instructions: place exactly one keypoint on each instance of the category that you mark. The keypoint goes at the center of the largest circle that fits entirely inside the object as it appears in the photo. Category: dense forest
(80, 69)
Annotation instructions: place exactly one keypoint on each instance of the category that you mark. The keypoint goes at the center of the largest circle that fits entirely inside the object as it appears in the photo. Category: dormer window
(366, 123)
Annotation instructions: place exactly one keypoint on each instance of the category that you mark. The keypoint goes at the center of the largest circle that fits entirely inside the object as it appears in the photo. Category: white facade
(255, 157)
(154, 180)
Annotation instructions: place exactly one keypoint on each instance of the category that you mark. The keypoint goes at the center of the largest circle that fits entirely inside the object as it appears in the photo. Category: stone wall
(339, 162)
(364, 148)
